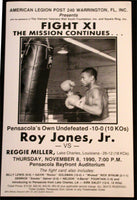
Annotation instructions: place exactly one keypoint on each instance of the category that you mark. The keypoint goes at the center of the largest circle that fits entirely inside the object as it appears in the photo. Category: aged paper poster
(67, 114)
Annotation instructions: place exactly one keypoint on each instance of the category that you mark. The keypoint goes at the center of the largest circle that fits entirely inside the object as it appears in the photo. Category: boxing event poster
(67, 108)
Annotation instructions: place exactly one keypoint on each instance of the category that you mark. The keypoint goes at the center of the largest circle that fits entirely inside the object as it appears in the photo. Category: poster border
(134, 98)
